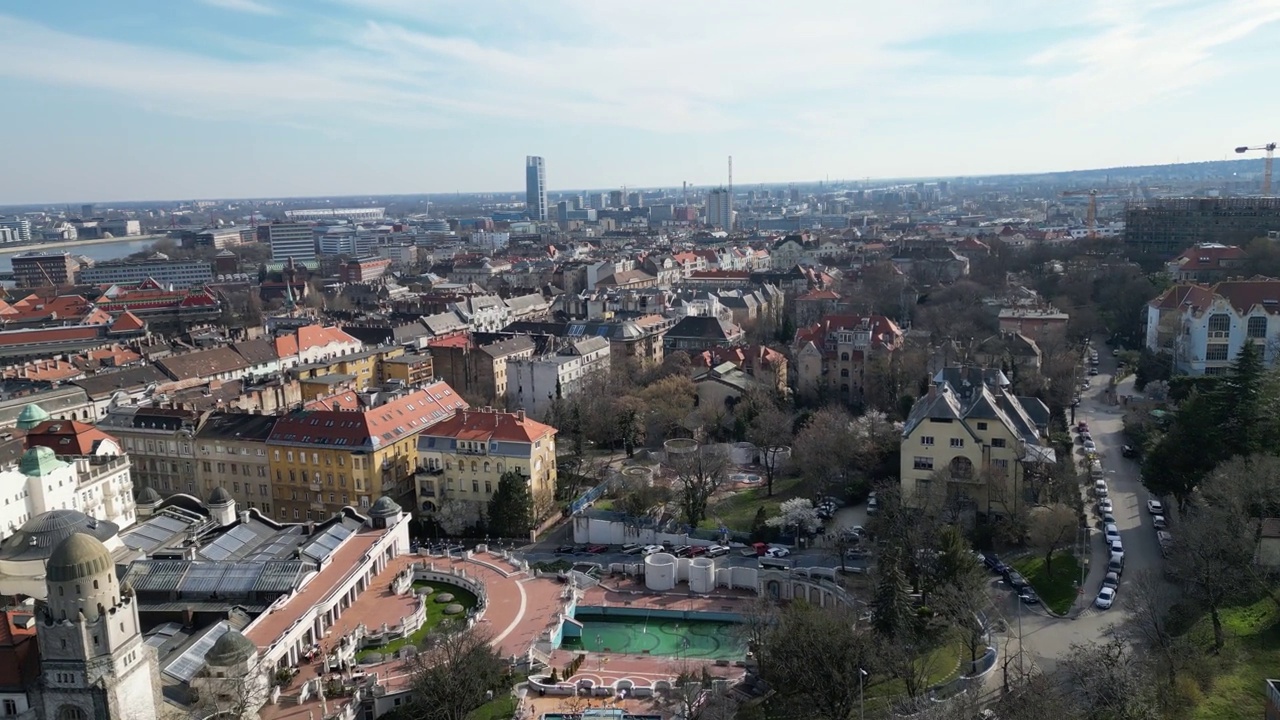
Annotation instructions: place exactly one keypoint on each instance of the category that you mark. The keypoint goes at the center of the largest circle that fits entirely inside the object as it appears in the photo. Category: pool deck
(519, 609)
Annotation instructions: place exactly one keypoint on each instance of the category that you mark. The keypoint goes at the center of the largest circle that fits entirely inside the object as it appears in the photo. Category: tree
(1211, 559)
(511, 507)
(666, 403)
(234, 697)
(1150, 602)
(454, 675)
(1109, 679)
(770, 429)
(958, 589)
(814, 658)
(824, 447)
(1052, 528)
(699, 474)
(798, 513)
(892, 612)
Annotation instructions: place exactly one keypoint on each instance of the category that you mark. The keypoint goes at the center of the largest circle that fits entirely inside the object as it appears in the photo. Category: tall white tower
(94, 663)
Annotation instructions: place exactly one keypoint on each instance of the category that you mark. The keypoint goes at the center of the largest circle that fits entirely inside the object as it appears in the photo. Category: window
(70, 712)
(1257, 327)
(1220, 323)
(10, 707)
(997, 442)
(923, 463)
(1216, 352)
(475, 486)
(957, 442)
(1000, 467)
(844, 372)
(208, 467)
(982, 426)
(844, 357)
(488, 487)
(926, 440)
(961, 468)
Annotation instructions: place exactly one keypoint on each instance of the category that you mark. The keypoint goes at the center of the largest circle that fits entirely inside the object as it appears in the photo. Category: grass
(941, 665)
(738, 510)
(501, 708)
(1251, 654)
(1058, 591)
(435, 615)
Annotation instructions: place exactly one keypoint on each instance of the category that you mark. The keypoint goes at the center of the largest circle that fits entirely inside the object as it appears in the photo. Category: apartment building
(70, 465)
(461, 460)
(175, 273)
(158, 440)
(476, 365)
(231, 453)
(969, 445)
(832, 355)
(1204, 327)
(350, 452)
(536, 383)
(291, 240)
(42, 269)
(412, 369)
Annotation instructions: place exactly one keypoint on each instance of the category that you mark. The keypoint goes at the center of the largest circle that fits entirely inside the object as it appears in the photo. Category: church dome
(79, 556)
(219, 496)
(384, 507)
(230, 649)
(148, 496)
(39, 461)
(39, 536)
(31, 416)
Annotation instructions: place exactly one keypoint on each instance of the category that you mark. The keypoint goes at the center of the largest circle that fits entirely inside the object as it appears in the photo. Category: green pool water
(704, 639)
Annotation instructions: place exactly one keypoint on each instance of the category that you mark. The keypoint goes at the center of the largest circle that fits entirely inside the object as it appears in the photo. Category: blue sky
(142, 99)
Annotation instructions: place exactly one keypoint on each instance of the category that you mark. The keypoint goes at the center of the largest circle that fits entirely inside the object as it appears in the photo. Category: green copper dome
(39, 461)
(31, 416)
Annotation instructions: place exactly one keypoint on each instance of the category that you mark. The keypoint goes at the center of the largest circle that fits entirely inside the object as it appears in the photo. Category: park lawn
(1057, 591)
(501, 708)
(738, 511)
(1251, 654)
(435, 615)
(942, 664)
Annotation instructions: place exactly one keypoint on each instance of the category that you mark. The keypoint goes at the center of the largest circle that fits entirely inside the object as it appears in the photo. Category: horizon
(344, 98)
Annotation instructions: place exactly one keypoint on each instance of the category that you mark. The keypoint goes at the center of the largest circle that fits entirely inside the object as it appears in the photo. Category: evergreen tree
(1239, 405)
(892, 613)
(511, 507)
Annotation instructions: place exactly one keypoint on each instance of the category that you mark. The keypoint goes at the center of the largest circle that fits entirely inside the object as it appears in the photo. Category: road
(1046, 639)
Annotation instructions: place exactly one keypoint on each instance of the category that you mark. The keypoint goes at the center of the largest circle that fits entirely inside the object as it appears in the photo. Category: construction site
(1171, 225)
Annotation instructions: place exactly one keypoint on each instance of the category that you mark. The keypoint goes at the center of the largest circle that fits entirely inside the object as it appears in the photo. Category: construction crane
(1270, 148)
(1091, 219)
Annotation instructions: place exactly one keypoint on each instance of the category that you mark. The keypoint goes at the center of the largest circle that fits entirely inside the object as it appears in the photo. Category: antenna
(729, 220)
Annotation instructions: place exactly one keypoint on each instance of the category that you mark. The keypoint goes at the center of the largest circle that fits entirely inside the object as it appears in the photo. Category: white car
(1090, 447)
(717, 550)
(1155, 507)
(1106, 596)
(1117, 548)
(1159, 522)
(1104, 505)
(651, 549)
(1112, 532)
(777, 551)
(1100, 489)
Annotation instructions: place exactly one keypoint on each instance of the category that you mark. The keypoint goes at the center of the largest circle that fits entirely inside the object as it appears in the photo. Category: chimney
(933, 391)
(520, 415)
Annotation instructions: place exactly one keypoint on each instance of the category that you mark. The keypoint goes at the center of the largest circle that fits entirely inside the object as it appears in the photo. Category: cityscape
(830, 438)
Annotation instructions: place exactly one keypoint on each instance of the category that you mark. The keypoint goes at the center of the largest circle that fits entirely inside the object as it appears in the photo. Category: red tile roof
(372, 428)
(751, 356)
(67, 437)
(286, 346)
(19, 652)
(453, 341)
(884, 331)
(1244, 295)
(14, 338)
(310, 336)
(485, 425)
(344, 399)
(1208, 257)
(128, 322)
(1179, 295)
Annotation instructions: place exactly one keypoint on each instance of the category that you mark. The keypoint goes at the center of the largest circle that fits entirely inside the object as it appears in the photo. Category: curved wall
(660, 571)
(702, 575)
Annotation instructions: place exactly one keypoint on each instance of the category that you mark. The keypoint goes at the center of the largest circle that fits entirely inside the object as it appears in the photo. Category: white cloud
(245, 6)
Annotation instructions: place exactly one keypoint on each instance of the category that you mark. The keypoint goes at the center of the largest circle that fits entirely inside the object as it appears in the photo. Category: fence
(590, 496)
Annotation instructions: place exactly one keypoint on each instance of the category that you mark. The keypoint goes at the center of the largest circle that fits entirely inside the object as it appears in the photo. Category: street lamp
(862, 714)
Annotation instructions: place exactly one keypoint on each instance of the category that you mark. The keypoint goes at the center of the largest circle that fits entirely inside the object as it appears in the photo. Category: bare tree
(825, 448)
(229, 697)
(770, 429)
(1108, 679)
(1150, 601)
(1211, 559)
(699, 474)
(1053, 528)
(454, 675)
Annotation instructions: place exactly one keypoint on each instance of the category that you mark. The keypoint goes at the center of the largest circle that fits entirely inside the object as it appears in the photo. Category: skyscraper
(535, 188)
(720, 209)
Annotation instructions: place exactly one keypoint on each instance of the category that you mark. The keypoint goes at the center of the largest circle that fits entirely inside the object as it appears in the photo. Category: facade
(535, 384)
(177, 273)
(231, 453)
(831, 356)
(535, 188)
(1046, 324)
(461, 460)
(1205, 263)
(291, 240)
(1203, 328)
(325, 459)
(479, 370)
(720, 209)
(411, 370)
(364, 269)
(1171, 225)
(21, 228)
(101, 486)
(41, 269)
(971, 446)
(94, 663)
(159, 444)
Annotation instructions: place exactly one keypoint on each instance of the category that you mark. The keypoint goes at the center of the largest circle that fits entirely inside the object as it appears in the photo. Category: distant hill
(1175, 172)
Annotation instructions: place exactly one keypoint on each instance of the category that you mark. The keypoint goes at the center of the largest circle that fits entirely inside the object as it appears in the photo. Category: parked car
(1093, 371)
(854, 553)
(1015, 579)
(1106, 596)
(777, 551)
(1164, 538)
(1029, 597)
(1116, 564)
(993, 564)
(696, 550)
(1159, 522)
(1100, 488)
(631, 548)
(598, 549)
(1155, 507)
(651, 549)
(1112, 580)
(1089, 447)
(1108, 519)
(1129, 451)
(1111, 531)
(717, 550)
(565, 550)
(683, 551)
(1117, 547)
(1104, 506)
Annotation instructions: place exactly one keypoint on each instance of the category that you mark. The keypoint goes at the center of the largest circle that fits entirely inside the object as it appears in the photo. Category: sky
(193, 99)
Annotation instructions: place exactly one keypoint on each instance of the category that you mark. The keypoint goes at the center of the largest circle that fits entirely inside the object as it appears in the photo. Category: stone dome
(79, 556)
(39, 461)
(384, 507)
(148, 496)
(39, 536)
(31, 416)
(220, 496)
(230, 649)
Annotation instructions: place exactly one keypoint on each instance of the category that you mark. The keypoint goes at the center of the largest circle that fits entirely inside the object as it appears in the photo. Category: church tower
(94, 664)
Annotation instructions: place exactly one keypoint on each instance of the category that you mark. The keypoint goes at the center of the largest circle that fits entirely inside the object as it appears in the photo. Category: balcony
(472, 451)
(316, 487)
(318, 506)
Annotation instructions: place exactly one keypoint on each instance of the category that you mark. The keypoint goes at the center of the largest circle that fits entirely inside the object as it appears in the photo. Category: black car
(1015, 580)
(1029, 596)
(565, 550)
(992, 561)
(1129, 451)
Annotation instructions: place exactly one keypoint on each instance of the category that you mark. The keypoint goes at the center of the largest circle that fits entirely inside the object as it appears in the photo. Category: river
(97, 251)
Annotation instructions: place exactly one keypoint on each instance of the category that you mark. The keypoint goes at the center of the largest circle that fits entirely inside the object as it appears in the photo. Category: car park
(1155, 507)
(1106, 596)
(1111, 531)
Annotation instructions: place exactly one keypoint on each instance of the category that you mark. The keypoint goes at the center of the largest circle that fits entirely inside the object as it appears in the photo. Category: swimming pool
(632, 631)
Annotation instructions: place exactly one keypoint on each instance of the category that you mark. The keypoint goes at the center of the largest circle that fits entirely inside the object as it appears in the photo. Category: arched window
(844, 357)
(474, 466)
(962, 468)
(70, 712)
(844, 372)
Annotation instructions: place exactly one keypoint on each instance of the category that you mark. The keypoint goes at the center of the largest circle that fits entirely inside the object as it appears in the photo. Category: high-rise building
(720, 209)
(41, 269)
(1171, 225)
(635, 200)
(599, 201)
(535, 188)
(562, 210)
(291, 240)
(616, 198)
(20, 226)
(86, 211)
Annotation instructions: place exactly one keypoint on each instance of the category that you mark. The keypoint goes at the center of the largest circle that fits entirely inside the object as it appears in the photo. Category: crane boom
(1270, 149)
(1091, 218)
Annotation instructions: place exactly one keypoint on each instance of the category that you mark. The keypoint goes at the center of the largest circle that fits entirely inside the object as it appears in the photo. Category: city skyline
(278, 98)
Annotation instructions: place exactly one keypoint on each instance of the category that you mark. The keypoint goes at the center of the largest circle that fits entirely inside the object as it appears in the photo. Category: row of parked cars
(992, 562)
(646, 550)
